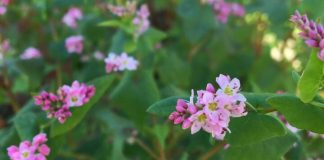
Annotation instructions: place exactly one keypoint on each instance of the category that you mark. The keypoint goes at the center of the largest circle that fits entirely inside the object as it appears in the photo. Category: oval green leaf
(254, 128)
(311, 78)
(299, 114)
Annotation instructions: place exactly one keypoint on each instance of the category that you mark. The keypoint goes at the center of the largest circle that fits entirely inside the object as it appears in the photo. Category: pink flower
(3, 10)
(127, 63)
(213, 109)
(5, 2)
(3, 6)
(312, 33)
(229, 89)
(128, 9)
(40, 139)
(36, 150)
(77, 94)
(238, 10)
(71, 17)
(120, 63)
(141, 20)
(58, 106)
(74, 44)
(224, 9)
(31, 53)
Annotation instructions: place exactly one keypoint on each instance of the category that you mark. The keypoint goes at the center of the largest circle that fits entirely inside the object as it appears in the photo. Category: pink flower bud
(179, 120)
(210, 88)
(320, 55)
(192, 109)
(311, 43)
(321, 44)
(186, 124)
(180, 108)
(44, 149)
(173, 115)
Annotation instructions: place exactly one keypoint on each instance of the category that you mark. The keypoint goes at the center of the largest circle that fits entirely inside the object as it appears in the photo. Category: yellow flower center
(212, 106)
(25, 154)
(202, 118)
(228, 91)
(74, 99)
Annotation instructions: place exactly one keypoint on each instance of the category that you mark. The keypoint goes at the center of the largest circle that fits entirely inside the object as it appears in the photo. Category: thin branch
(146, 148)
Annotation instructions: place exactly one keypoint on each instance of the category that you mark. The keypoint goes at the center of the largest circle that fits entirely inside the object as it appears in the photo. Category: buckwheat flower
(31, 53)
(74, 44)
(229, 89)
(127, 63)
(58, 105)
(141, 20)
(237, 9)
(72, 16)
(62, 114)
(76, 95)
(200, 120)
(224, 9)
(182, 113)
(3, 6)
(127, 10)
(312, 33)
(213, 108)
(120, 63)
(36, 150)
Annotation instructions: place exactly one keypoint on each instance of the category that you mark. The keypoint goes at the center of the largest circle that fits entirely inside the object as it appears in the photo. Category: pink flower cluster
(31, 53)
(74, 44)
(35, 150)
(58, 105)
(141, 20)
(213, 108)
(72, 16)
(312, 33)
(3, 6)
(127, 10)
(224, 9)
(120, 63)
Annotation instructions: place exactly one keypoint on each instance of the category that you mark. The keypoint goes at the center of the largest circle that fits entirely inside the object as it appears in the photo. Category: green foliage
(299, 114)
(255, 127)
(311, 79)
(185, 47)
(271, 149)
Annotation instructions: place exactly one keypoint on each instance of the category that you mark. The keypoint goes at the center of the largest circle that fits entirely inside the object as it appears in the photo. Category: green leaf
(311, 78)
(110, 23)
(27, 121)
(8, 136)
(271, 149)
(196, 19)
(254, 128)
(134, 93)
(258, 100)
(298, 114)
(114, 122)
(164, 107)
(101, 84)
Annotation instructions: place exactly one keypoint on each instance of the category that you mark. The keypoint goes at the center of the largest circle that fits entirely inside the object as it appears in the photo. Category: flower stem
(146, 148)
